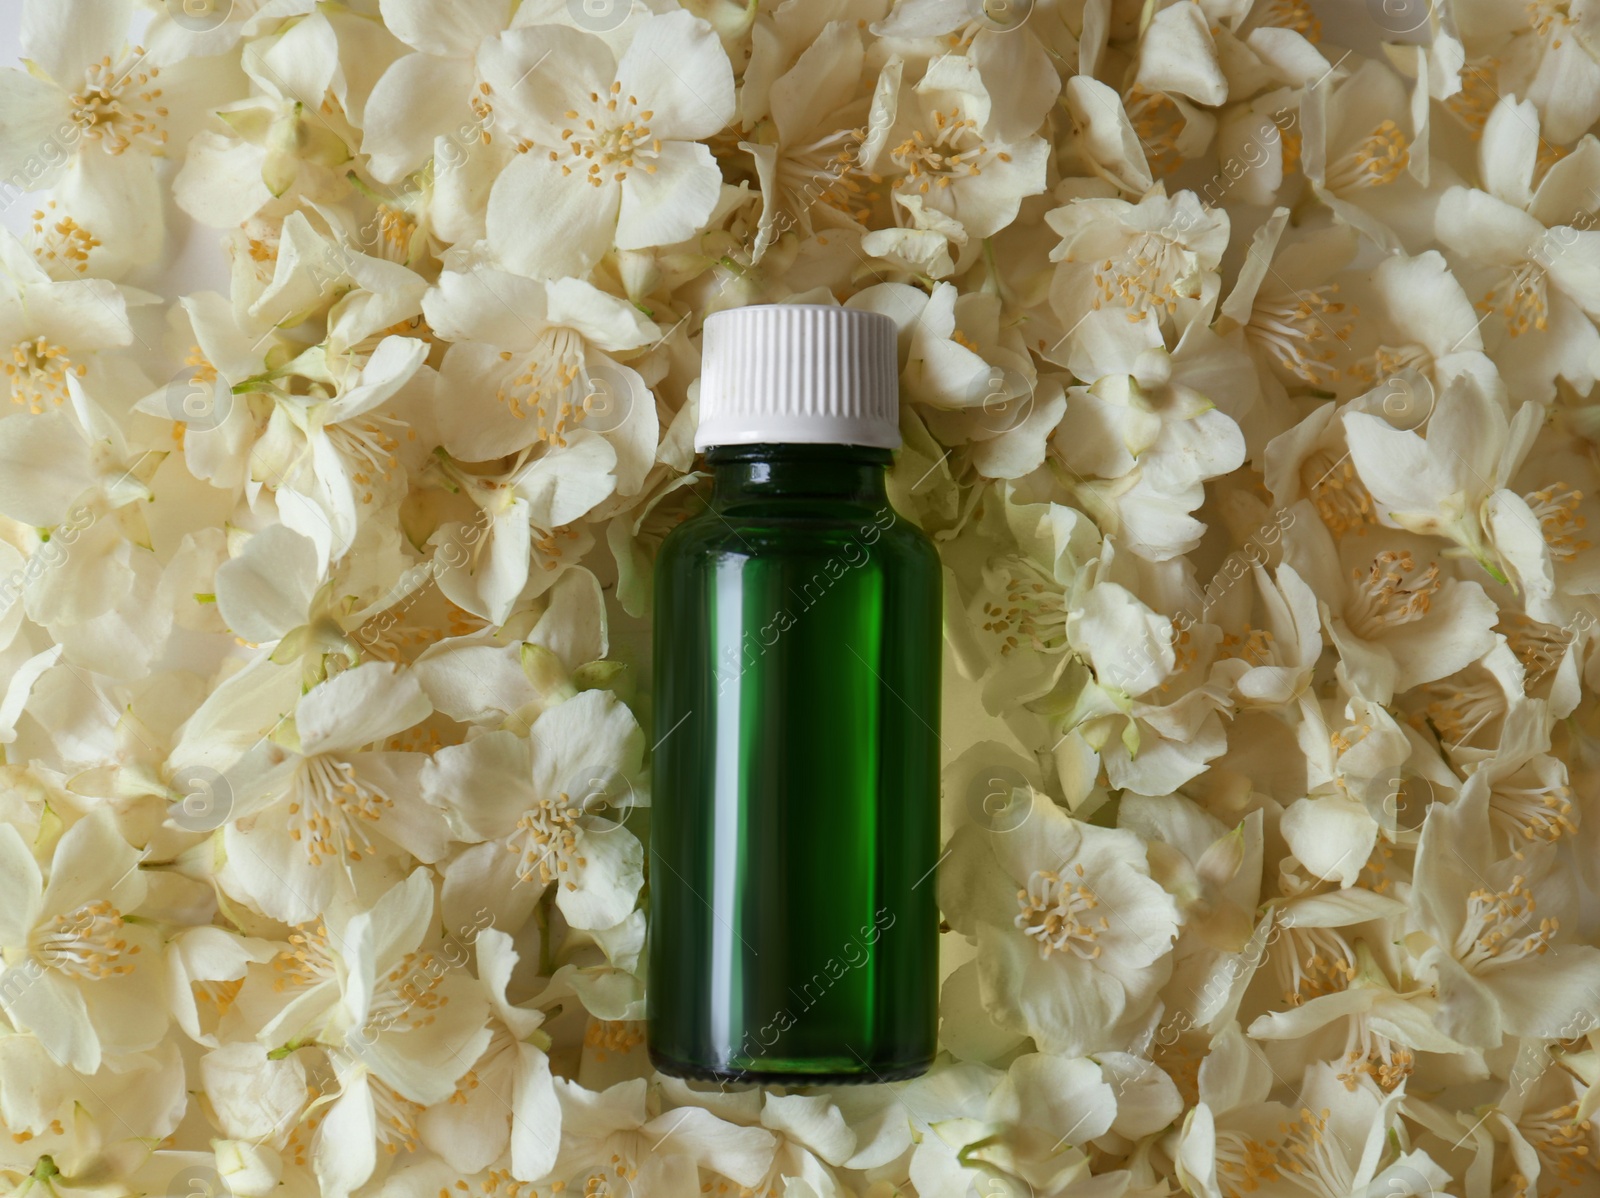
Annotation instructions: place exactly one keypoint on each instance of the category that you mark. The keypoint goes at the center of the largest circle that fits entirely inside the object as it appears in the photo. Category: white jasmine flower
(255, 1094)
(1358, 144)
(800, 1136)
(1149, 423)
(1105, 144)
(1469, 708)
(1312, 460)
(603, 975)
(952, 1101)
(1396, 618)
(961, 145)
(324, 811)
(1549, 60)
(1178, 55)
(1153, 262)
(974, 379)
(1539, 526)
(1073, 935)
(506, 1102)
(429, 94)
(124, 758)
(524, 529)
(611, 1138)
(1343, 1139)
(1490, 933)
(1422, 320)
(294, 136)
(613, 154)
(1272, 664)
(85, 83)
(1547, 657)
(316, 273)
(1439, 485)
(374, 989)
(1386, 1028)
(1530, 800)
(1212, 873)
(1178, 76)
(500, 682)
(51, 329)
(1353, 759)
(1526, 248)
(529, 807)
(1129, 647)
(1021, 1131)
(89, 117)
(1014, 633)
(274, 590)
(529, 363)
(205, 968)
(328, 449)
(806, 145)
(73, 469)
(1293, 316)
(66, 1135)
(1150, 712)
(1549, 1132)
(78, 973)
(220, 427)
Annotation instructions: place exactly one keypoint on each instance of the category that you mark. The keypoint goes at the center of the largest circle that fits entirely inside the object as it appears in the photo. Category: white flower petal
(53, 1010)
(346, 1148)
(536, 72)
(483, 783)
(35, 123)
(67, 38)
(546, 224)
(266, 590)
(1509, 149)
(567, 482)
(671, 204)
(1487, 229)
(1064, 1096)
(813, 1121)
(678, 69)
(505, 310)
(741, 1154)
(447, 27)
(93, 862)
(606, 320)
(827, 69)
(359, 707)
(21, 878)
(604, 881)
(44, 465)
(1178, 55)
(1332, 836)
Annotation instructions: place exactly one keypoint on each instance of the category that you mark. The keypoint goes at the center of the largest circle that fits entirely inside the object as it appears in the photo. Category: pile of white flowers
(1245, 390)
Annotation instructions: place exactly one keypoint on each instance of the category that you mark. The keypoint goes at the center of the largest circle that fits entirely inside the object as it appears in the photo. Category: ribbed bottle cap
(799, 374)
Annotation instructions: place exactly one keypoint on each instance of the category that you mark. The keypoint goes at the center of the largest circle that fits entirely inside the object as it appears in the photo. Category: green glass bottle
(795, 822)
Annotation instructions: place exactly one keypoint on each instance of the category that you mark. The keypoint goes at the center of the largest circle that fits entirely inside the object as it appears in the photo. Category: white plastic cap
(799, 374)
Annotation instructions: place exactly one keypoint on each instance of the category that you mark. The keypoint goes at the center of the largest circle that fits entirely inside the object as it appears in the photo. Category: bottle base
(845, 1071)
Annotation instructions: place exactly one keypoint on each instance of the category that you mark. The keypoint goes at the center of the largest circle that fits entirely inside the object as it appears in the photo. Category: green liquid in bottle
(795, 822)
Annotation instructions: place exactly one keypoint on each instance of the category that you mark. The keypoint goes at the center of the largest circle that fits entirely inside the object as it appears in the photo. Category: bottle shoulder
(798, 528)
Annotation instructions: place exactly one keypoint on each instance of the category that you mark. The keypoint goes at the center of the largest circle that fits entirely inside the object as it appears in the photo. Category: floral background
(1246, 390)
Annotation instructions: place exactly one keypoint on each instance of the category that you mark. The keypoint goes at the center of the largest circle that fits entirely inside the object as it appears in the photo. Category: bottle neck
(845, 473)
